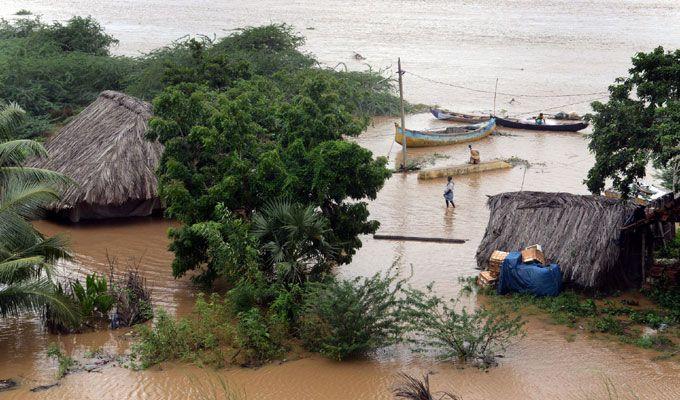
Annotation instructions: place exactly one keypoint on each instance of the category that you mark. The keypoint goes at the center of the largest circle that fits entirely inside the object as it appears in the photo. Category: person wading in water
(448, 193)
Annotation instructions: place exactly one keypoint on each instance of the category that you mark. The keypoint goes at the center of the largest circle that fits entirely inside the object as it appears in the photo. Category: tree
(639, 124)
(251, 144)
(294, 240)
(26, 256)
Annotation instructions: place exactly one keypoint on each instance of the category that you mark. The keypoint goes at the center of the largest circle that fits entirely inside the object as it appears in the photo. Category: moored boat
(447, 115)
(443, 137)
(551, 126)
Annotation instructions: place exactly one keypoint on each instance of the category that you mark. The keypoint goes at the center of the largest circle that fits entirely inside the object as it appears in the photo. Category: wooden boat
(551, 126)
(443, 137)
(463, 169)
(447, 115)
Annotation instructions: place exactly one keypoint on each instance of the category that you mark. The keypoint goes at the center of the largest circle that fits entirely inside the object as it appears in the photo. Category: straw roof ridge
(103, 149)
(580, 233)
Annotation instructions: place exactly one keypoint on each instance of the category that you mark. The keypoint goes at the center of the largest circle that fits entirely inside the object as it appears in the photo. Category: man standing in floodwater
(448, 193)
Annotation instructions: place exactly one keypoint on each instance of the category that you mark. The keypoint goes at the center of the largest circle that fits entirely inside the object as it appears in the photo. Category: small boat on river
(443, 137)
(447, 115)
(550, 126)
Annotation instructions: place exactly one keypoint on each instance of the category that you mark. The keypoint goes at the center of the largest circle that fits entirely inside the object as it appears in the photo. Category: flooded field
(540, 48)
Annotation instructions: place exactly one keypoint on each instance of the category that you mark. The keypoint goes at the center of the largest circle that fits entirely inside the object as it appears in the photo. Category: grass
(651, 328)
(23, 11)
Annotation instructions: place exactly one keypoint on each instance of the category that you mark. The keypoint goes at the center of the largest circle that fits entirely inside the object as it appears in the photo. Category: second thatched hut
(104, 151)
(580, 233)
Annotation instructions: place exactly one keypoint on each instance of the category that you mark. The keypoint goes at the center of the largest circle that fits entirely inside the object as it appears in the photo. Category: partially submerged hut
(580, 233)
(105, 152)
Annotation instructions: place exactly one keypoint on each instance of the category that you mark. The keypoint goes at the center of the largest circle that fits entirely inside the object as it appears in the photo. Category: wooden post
(403, 118)
(494, 97)
(642, 270)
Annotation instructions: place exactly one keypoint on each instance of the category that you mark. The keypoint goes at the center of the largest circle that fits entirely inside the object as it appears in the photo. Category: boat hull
(430, 139)
(508, 123)
(446, 115)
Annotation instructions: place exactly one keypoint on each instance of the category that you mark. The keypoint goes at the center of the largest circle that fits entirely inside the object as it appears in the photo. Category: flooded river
(544, 48)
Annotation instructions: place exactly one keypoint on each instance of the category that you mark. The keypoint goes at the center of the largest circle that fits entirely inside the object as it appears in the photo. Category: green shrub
(607, 324)
(259, 340)
(341, 319)
(459, 334)
(206, 336)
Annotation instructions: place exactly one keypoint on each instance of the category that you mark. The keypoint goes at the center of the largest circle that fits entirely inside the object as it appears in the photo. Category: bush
(607, 324)
(206, 336)
(460, 335)
(259, 340)
(342, 319)
(132, 299)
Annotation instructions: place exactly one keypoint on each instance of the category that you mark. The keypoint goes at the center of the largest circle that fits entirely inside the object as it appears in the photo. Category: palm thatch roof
(104, 151)
(580, 233)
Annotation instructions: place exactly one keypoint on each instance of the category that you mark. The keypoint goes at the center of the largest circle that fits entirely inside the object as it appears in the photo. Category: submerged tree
(639, 124)
(26, 256)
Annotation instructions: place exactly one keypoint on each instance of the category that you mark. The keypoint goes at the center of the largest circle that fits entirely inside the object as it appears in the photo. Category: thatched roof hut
(104, 151)
(580, 233)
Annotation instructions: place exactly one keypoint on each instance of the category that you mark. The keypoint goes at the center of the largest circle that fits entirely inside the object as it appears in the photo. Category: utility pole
(403, 123)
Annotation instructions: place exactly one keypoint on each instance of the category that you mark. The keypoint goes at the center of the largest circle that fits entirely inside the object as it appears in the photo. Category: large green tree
(26, 256)
(639, 124)
(238, 149)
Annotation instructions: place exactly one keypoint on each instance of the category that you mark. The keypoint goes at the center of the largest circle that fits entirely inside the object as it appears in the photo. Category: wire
(504, 93)
(560, 106)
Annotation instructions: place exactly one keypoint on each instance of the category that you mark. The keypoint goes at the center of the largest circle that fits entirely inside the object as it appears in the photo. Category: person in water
(540, 120)
(474, 155)
(448, 193)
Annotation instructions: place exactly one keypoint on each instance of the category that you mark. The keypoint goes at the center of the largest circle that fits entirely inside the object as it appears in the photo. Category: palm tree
(294, 239)
(26, 256)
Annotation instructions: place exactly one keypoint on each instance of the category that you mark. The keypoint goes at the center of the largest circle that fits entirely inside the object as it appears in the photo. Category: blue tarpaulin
(528, 278)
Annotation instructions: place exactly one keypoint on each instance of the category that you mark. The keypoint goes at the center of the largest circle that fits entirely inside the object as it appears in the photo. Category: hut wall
(580, 233)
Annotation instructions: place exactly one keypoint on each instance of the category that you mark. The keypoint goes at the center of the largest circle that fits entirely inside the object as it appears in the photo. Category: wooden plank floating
(462, 169)
(419, 239)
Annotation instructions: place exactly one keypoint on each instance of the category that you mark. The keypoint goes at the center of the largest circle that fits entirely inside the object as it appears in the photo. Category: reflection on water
(545, 47)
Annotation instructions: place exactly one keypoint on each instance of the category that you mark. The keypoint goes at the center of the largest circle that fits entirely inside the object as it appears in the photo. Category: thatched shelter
(104, 151)
(581, 233)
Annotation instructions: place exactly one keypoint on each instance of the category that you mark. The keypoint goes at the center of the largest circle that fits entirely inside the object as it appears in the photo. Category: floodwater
(540, 48)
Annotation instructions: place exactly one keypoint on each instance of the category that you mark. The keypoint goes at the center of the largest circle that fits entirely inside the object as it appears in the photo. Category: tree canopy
(639, 124)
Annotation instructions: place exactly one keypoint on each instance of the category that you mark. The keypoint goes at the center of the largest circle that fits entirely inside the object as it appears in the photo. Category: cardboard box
(485, 279)
(495, 261)
(533, 254)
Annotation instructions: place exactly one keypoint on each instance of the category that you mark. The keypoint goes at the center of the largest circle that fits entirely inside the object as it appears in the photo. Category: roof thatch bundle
(104, 151)
(580, 233)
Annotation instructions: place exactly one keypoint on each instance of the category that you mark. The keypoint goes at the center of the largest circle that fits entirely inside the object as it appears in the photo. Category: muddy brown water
(535, 47)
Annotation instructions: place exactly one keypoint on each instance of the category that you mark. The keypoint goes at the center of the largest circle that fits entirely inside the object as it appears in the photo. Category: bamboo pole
(403, 118)
(494, 97)
(419, 239)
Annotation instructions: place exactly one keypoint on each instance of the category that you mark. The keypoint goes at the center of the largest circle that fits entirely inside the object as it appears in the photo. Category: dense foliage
(55, 69)
(229, 153)
(342, 319)
(639, 124)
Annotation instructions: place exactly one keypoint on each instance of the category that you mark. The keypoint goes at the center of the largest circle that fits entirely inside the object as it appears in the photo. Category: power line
(504, 93)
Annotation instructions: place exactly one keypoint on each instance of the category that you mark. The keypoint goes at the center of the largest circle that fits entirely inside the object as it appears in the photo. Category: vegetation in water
(410, 388)
(342, 319)
(55, 69)
(27, 257)
(458, 333)
(639, 124)
(65, 363)
(623, 320)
